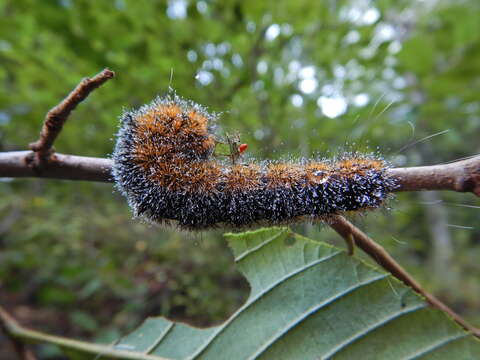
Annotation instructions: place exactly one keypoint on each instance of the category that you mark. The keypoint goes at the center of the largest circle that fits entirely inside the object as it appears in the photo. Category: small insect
(165, 165)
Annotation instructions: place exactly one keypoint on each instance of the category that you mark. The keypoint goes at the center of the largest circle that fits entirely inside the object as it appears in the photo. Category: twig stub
(58, 115)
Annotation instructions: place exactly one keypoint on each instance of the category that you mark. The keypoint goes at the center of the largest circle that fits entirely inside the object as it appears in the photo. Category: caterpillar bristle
(164, 164)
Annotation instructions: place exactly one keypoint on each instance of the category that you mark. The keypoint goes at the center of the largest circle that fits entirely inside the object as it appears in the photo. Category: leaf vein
(374, 326)
(256, 298)
(438, 345)
(313, 310)
(258, 247)
(160, 338)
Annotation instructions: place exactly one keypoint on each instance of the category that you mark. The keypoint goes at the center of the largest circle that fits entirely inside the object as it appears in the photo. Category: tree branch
(461, 176)
(58, 115)
(347, 230)
(15, 164)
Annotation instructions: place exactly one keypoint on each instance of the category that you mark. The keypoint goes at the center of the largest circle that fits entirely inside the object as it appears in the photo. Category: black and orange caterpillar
(164, 164)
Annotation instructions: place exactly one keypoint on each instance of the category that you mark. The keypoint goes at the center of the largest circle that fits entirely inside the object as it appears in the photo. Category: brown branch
(68, 167)
(346, 229)
(7, 323)
(461, 176)
(57, 116)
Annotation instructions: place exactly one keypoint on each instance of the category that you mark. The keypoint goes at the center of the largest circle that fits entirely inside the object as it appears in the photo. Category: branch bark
(17, 164)
(461, 176)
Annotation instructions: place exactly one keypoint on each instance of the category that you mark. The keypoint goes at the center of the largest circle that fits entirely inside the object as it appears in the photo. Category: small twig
(7, 323)
(14, 330)
(346, 229)
(57, 116)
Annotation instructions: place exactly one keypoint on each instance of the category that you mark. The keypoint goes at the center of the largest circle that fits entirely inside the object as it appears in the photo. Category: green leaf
(308, 300)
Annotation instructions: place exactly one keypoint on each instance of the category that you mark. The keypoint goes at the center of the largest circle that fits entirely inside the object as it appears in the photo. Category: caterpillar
(164, 163)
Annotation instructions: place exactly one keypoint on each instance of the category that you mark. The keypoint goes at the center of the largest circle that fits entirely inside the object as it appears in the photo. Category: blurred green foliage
(295, 78)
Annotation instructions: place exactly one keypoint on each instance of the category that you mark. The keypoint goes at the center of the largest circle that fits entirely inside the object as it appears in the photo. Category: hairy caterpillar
(164, 164)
